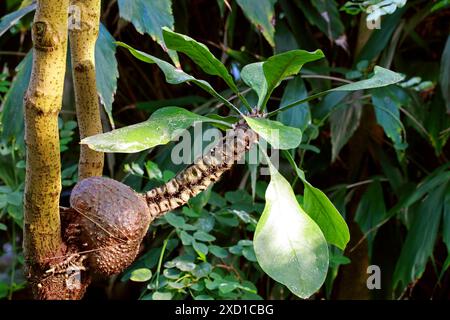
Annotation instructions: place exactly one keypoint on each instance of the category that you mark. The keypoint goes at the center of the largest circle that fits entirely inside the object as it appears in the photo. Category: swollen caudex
(109, 220)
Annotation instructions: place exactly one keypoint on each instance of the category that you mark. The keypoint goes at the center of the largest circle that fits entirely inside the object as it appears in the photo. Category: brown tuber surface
(109, 222)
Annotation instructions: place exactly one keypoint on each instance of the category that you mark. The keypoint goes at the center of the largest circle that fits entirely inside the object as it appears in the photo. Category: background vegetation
(383, 162)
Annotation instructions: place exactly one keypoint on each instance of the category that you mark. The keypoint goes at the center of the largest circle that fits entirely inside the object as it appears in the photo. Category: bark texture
(83, 33)
(43, 246)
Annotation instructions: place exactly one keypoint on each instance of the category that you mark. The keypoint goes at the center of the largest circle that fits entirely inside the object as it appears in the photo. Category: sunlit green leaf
(141, 275)
(162, 127)
(274, 132)
(289, 245)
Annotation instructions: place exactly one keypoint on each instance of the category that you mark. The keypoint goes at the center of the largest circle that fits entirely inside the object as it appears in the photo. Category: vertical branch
(42, 229)
(83, 33)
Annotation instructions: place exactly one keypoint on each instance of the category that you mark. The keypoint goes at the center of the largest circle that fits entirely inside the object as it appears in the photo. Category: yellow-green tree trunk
(83, 35)
(42, 228)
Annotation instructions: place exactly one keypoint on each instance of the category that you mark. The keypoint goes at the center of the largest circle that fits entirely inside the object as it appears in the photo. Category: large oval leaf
(289, 245)
(253, 76)
(163, 126)
(276, 133)
(200, 54)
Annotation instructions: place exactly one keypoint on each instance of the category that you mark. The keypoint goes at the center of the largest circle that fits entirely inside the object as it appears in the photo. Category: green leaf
(253, 75)
(444, 74)
(289, 245)
(172, 74)
(201, 249)
(174, 220)
(163, 126)
(371, 211)
(387, 111)
(200, 54)
(420, 240)
(141, 275)
(324, 213)
(381, 78)
(106, 71)
(344, 120)
(13, 103)
(12, 18)
(274, 132)
(261, 16)
(286, 64)
(446, 220)
(161, 295)
(203, 236)
(299, 117)
(3, 227)
(149, 17)
(219, 252)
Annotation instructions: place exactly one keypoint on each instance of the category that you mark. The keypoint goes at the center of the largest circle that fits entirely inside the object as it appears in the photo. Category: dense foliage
(373, 140)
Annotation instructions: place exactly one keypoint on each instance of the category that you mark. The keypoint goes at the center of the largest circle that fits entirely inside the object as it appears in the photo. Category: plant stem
(83, 35)
(43, 99)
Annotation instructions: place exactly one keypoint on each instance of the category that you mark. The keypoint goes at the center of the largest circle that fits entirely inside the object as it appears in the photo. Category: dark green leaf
(106, 71)
(149, 17)
(200, 54)
(261, 15)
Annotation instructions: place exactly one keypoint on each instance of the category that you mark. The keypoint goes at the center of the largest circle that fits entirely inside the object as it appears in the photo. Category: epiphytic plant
(290, 240)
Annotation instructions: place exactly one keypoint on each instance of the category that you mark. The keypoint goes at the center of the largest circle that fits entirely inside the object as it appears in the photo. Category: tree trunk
(83, 35)
(43, 246)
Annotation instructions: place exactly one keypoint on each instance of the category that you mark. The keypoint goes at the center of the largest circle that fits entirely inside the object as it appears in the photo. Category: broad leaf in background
(149, 17)
(371, 211)
(200, 54)
(172, 74)
(325, 15)
(106, 70)
(446, 220)
(322, 211)
(261, 15)
(163, 126)
(13, 104)
(274, 132)
(344, 120)
(286, 64)
(420, 240)
(445, 74)
(387, 111)
(299, 117)
(289, 245)
(11, 19)
(380, 38)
